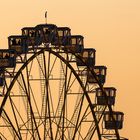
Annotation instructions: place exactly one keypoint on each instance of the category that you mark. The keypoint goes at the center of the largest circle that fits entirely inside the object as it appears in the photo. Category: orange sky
(112, 27)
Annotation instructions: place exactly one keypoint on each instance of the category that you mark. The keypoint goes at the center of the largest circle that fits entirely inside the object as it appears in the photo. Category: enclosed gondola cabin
(87, 57)
(7, 58)
(76, 44)
(106, 97)
(30, 33)
(99, 72)
(113, 120)
(64, 34)
(18, 43)
(46, 33)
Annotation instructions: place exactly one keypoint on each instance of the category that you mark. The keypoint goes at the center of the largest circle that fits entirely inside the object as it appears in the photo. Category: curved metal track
(75, 74)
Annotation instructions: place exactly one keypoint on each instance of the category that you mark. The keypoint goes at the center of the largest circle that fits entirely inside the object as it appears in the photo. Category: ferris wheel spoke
(61, 108)
(39, 64)
(59, 113)
(20, 117)
(35, 102)
(11, 102)
(30, 68)
(74, 119)
(11, 124)
(64, 118)
(15, 110)
(76, 115)
(46, 70)
(28, 93)
(6, 124)
(71, 84)
(32, 93)
(2, 137)
(65, 98)
(98, 121)
(83, 117)
(51, 68)
(90, 133)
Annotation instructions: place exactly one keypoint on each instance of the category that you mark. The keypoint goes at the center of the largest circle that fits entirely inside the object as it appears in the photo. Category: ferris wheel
(51, 89)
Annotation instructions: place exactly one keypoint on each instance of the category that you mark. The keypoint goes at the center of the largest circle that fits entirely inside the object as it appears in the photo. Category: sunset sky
(112, 27)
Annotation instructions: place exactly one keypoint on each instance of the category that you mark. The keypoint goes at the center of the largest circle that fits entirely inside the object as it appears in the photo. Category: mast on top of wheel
(46, 17)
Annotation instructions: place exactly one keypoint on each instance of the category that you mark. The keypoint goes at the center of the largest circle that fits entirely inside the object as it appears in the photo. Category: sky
(112, 27)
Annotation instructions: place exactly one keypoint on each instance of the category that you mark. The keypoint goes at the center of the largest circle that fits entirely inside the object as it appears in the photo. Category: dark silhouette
(14, 42)
(7, 56)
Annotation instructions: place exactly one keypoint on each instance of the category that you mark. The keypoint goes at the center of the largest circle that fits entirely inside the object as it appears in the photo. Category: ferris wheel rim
(73, 71)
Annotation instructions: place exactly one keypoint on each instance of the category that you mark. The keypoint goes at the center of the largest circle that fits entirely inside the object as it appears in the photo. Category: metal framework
(53, 90)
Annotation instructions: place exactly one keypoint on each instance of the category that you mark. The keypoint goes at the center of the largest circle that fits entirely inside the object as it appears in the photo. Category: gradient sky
(112, 27)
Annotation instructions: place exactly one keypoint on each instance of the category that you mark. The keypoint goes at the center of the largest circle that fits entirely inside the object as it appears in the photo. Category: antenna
(46, 17)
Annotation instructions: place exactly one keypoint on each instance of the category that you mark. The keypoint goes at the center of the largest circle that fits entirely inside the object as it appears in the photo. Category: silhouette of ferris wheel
(52, 89)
